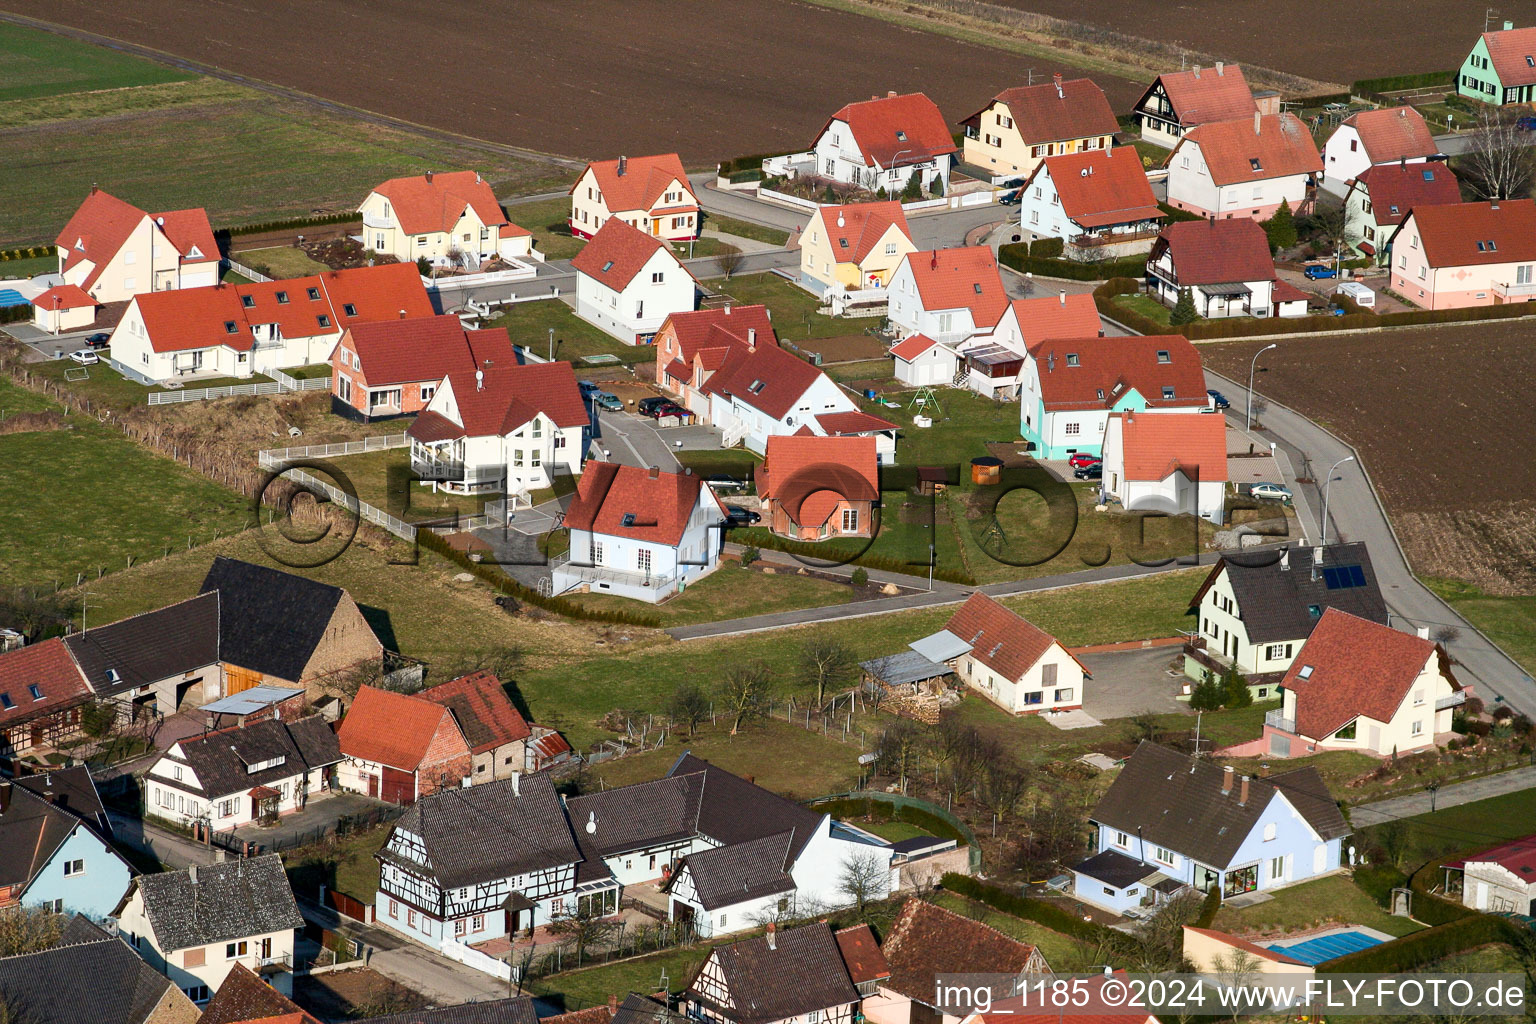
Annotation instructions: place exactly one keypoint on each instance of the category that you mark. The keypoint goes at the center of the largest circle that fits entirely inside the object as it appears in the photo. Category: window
(890, 248)
(643, 560)
(427, 391)
(1063, 694)
(410, 918)
(1306, 672)
(176, 772)
(1346, 733)
(1163, 855)
(197, 993)
(1274, 652)
(1122, 840)
(1073, 428)
(813, 1016)
(1277, 869)
(722, 920)
(1167, 393)
(1269, 832)
(35, 690)
(421, 241)
(232, 950)
(1253, 162)
(324, 322)
(54, 906)
(349, 309)
(597, 552)
(1073, 360)
(282, 298)
(1417, 729)
(1048, 674)
(460, 927)
(639, 308)
(1034, 697)
(314, 294)
(248, 301)
(657, 277)
(850, 520)
(478, 923)
(394, 909)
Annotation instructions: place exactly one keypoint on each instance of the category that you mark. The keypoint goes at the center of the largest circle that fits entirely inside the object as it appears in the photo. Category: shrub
(1479, 728)
(1047, 248)
(1235, 692)
(1174, 214)
(737, 177)
(913, 190)
(1281, 228)
(1207, 696)
(749, 555)
(1474, 706)
(1502, 712)
(1378, 881)
(294, 223)
(937, 188)
(1016, 255)
(859, 577)
(1041, 912)
(740, 164)
(1184, 311)
(1522, 725)
(423, 266)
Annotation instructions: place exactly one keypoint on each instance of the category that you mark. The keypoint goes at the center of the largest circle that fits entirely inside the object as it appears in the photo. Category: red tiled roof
(1002, 640)
(1157, 444)
(390, 728)
(431, 203)
(1208, 94)
(960, 278)
(1518, 857)
(188, 318)
(644, 182)
(861, 954)
(1351, 667)
(1397, 188)
(1100, 187)
(1511, 53)
(64, 296)
(716, 328)
(617, 253)
(510, 230)
(495, 720)
(907, 129)
(912, 346)
(47, 666)
(926, 941)
(768, 378)
(380, 292)
(1243, 944)
(854, 230)
(1107, 367)
(1394, 134)
(191, 234)
(425, 349)
(1052, 112)
(1475, 234)
(657, 503)
(1060, 316)
(1235, 153)
(103, 223)
(506, 397)
(852, 423)
(1216, 251)
(1284, 291)
(808, 476)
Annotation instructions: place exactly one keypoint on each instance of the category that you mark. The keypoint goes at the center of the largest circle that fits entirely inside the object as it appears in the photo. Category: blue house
(1068, 388)
(54, 848)
(1170, 822)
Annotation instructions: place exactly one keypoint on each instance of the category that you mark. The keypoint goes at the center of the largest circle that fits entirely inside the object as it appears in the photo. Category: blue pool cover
(11, 297)
(1315, 951)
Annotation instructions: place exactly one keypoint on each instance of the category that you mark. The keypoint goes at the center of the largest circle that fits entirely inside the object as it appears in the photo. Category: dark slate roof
(727, 875)
(270, 621)
(804, 972)
(1275, 597)
(638, 1009)
(1115, 869)
(242, 996)
(517, 1010)
(149, 647)
(31, 831)
(497, 830)
(219, 759)
(78, 929)
(640, 815)
(100, 982)
(74, 790)
(733, 810)
(1177, 802)
(232, 900)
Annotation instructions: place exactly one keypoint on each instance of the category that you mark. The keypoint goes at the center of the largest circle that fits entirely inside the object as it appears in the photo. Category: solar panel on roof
(1343, 577)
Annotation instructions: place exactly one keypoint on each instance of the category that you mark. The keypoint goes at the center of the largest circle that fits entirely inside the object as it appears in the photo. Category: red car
(1080, 459)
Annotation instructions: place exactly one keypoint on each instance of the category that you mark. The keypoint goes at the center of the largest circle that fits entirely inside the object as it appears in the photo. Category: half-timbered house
(796, 975)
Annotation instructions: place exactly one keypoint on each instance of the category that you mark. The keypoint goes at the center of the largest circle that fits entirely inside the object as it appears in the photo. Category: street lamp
(1248, 422)
(551, 344)
(898, 155)
(1326, 488)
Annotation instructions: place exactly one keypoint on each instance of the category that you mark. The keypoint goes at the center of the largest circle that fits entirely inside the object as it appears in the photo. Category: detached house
(948, 294)
(393, 367)
(818, 487)
(883, 142)
(1245, 168)
(57, 847)
(1068, 388)
(448, 219)
(649, 193)
(501, 742)
(628, 283)
(1026, 124)
(41, 696)
(1360, 685)
(1225, 265)
(1174, 463)
(1466, 254)
(195, 926)
(510, 428)
(781, 977)
(89, 975)
(1092, 199)
(692, 345)
(400, 747)
(1169, 822)
(1006, 659)
(1373, 138)
(1381, 196)
(112, 250)
(1178, 101)
(639, 533)
(853, 249)
(1501, 67)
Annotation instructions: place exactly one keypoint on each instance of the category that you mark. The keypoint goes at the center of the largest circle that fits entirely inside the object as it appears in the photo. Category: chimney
(160, 222)
(751, 339)
(1242, 791)
(840, 218)
(613, 1005)
(773, 938)
(94, 189)
(477, 178)
(429, 177)
(933, 261)
(890, 93)
(5, 795)
(1226, 779)
(1059, 93)
(654, 473)
(402, 314)
(192, 873)
(1423, 632)
(1063, 296)
(1258, 121)
(623, 165)
(727, 309)
(1402, 111)
(517, 783)
(1508, 25)
(1196, 70)
(1221, 69)
(1285, 559)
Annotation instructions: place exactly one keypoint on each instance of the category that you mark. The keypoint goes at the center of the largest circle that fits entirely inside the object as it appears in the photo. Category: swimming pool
(12, 297)
(1327, 947)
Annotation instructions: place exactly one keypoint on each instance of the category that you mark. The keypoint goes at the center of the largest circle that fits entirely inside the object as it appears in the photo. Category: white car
(1271, 492)
(85, 356)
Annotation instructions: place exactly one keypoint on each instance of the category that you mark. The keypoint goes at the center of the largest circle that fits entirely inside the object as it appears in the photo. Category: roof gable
(767, 378)
(483, 710)
(1395, 189)
(1156, 446)
(926, 941)
(645, 505)
(270, 621)
(37, 678)
(232, 761)
(1477, 234)
(1512, 52)
(808, 476)
(720, 327)
(1101, 187)
(1074, 108)
(146, 648)
(498, 400)
(894, 130)
(425, 348)
(393, 729)
(962, 278)
(854, 230)
(1216, 251)
(1200, 95)
(1394, 134)
(434, 202)
(618, 252)
(643, 183)
(1000, 639)
(782, 975)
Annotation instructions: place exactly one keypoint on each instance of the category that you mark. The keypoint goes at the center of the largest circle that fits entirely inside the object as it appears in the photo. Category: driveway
(320, 814)
(1126, 683)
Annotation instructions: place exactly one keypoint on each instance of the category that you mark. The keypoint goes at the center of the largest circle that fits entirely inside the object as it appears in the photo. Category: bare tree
(1498, 162)
(823, 663)
(1446, 635)
(1160, 941)
(729, 259)
(1003, 785)
(586, 927)
(688, 706)
(1330, 224)
(1237, 968)
(30, 611)
(385, 998)
(744, 693)
(898, 749)
(863, 879)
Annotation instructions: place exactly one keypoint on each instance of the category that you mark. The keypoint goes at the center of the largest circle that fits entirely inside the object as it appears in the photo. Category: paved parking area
(1126, 683)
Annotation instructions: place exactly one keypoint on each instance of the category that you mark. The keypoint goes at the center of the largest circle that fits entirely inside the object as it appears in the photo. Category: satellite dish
(591, 823)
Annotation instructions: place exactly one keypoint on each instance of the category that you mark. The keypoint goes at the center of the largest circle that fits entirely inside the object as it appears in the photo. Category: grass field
(1470, 827)
(36, 64)
(282, 260)
(384, 480)
(745, 229)
(794, 309)
(1146, 306)
(1332, 900)
(591, 986)
(29, 268)
(733, 592)
(106, 387)
(548, 220)
(529, 324)
(1509, 622)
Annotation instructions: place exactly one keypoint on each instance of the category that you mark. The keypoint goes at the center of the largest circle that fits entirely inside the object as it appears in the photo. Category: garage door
(398, 787)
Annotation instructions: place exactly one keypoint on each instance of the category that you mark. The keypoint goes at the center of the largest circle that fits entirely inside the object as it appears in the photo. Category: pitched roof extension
(965, 277)
(480, 705)
(720, 328)
(1102, 187)
(229, 900)
(1096, 373)
(103, 222)
(893, 131)
(393, 729)
(146, 648)
(1475, 234)
(426, 349)
(767, 378)
(503, 398)
(1255, 148)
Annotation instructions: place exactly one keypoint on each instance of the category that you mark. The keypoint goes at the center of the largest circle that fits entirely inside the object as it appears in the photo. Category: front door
(373, 786)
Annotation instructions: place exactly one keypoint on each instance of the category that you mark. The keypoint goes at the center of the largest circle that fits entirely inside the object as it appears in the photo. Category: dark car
(588, 389)
(648, 406)
(1011, 198)
(738, 515)
(1316, 272)
(1526, 124)
(1014, 183)
(1094, 471)
(668, 409)
(1219, 400)
(1080, 459)
(97, 340)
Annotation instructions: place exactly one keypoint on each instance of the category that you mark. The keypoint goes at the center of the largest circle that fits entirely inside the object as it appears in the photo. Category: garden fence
(301, 383)
(245, 271)
(204, 394)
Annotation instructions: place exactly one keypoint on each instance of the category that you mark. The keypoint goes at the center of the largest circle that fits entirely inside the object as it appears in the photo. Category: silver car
(1271, 492)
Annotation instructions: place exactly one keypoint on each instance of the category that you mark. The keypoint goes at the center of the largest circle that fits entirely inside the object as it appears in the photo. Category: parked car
(1092, 471)
(85, 356)
(737, 515)
(1525, 124)
(588, 389)
(98, 340)
(1318, 272)
(605, 400)
(1271, 492)
(725, 482)
(1080, 459)
(1014, 183)
(1218, 400)
(648, 406)
(668, 409)
(1011, 198)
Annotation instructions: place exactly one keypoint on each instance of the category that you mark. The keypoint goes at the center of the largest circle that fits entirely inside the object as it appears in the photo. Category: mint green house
(1501, 69)
(1069, 388)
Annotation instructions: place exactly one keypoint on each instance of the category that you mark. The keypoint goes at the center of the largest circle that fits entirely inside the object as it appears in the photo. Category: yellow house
(112, 250)
(853, 247)
(448, 218)
(1022, 126)
(650, 193)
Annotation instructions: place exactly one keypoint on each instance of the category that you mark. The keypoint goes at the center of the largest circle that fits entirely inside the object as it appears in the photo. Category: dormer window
(314, 294)
(1163, 357)
(282, 298)
(349, 309)
(324, 321)
(230, 327)
(1168, 394)
(901, 136)
(248, 301)
(271, 762)
(1072, 359)
(1253, 162)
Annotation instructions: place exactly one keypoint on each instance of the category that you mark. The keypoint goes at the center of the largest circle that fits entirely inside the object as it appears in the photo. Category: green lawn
(1062, 952)
(342, 865)
(106, 387)
(1146, 306)
(242, 154)
(794, 309)
(309, 372)
(282, 260)
(964, 423)
(384, 480)
(737, 462)
(745, 229)
(14, 398)
(1470, 827)
(548, 220)
(865, 369)
(591, 986)
(1327, 901)
(29, 268)
(895, 831)
(529, 324)
(1509, 622)
(35, 64)
(733, 592)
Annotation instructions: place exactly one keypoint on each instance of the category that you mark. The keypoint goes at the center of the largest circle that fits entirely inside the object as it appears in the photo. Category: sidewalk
(901, 579)
(1413, 804)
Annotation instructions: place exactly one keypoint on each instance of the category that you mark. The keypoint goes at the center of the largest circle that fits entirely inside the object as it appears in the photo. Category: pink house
(1466, 254)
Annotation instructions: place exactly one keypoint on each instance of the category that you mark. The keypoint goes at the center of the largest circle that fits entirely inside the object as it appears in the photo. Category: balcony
(660, 585)
(1454, 700)
(1515, 292)
(1277, 720)
(374, 221)
(457, 476)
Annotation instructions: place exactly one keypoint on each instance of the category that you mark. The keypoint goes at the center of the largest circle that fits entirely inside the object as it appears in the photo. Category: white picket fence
(469, 957)
(277, 458)
(290, 383)
(399, 527)
(204, 394)
(245, 271)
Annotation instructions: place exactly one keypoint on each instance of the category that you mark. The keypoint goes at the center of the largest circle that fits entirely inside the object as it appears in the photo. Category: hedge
(764, 539)
(1016, 256)
(15, 314)
(294, 223)
(1414, 951)
(1041, 912)
(1174, 214)
(507, 585)
(1103, 298)
(850, 808)
(744, 163)
(1428, 907)
(1047, 248)
(1378, 880)
(1320, 101)
(1391, 83)
(737, 177)
(26, 252)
